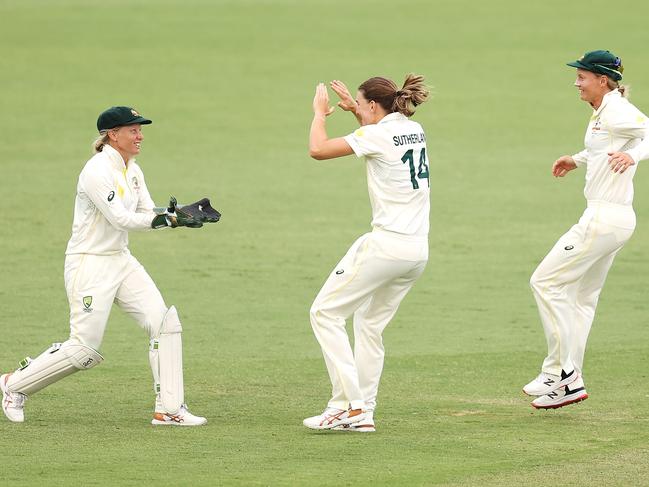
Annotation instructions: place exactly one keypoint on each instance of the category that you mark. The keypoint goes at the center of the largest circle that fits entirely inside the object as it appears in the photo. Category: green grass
(229, 86)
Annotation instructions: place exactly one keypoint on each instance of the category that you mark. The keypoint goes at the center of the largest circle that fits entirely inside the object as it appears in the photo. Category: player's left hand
(620, 161)
(346, 102)
(321, 101)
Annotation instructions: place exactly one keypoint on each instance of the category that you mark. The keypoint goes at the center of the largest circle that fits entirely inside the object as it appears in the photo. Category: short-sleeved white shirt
(397, 173)
(112, 198)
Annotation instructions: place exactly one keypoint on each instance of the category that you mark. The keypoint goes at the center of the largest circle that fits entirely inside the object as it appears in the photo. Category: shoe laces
(17, 400)
(331, 411)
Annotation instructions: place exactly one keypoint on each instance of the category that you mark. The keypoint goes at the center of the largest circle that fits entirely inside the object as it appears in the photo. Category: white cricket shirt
(112, 198)
(397, 173)
(616, 126)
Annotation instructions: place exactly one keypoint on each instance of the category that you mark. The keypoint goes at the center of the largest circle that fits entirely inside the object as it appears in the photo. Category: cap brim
(140, 120)
(578, 64)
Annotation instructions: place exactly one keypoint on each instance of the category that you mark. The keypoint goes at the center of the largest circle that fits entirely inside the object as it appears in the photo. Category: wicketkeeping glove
(173, 217)
(201, 210)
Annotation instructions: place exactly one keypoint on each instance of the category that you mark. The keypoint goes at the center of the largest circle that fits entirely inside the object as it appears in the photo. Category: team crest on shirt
(87, 302)
(135, 183)
(597, 125)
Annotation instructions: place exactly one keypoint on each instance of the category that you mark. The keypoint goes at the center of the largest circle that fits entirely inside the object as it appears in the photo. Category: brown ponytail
(413, 94)
(386, 93)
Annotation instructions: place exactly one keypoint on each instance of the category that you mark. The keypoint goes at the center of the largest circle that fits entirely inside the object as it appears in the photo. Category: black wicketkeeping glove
(202, 211)
(173, 217)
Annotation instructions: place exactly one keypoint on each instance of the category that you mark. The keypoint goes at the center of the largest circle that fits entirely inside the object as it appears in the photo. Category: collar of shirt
(393, 116)
(116, 158)
(607, 97)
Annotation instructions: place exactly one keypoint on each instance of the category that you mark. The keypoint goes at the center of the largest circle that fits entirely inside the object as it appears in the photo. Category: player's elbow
(317, 154)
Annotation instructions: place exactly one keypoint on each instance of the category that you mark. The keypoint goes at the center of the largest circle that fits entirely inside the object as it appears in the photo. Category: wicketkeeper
(112, 199)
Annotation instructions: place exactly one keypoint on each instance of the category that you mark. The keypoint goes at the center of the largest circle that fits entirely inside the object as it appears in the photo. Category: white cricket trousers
(369, 282)
(94, 282)
(568, 282)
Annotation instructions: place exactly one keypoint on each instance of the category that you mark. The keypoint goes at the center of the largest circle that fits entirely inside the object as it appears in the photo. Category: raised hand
(321, 101)
(346, 102)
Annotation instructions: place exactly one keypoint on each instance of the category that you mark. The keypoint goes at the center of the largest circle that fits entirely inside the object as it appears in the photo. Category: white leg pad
(55, 363)
(167, 351)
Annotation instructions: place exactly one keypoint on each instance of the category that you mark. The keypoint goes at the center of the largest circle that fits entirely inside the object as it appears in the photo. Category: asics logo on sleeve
(111, 195)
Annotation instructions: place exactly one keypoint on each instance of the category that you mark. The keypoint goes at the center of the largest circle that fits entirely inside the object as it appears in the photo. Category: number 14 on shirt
(422, 170)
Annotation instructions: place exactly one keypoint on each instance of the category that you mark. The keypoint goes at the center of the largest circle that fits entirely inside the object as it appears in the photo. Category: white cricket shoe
(12, 402)
(332, 417)
(364, 426)
(546, 383)
(182, 418)
(569, 394)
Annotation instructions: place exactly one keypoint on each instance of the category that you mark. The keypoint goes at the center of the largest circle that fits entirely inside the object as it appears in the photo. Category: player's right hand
(321, 101)
(563, 166)
(174, 217)
(346, 102)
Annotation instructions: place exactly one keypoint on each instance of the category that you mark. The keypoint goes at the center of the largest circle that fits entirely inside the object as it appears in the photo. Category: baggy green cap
(118, 117)
(600, 62)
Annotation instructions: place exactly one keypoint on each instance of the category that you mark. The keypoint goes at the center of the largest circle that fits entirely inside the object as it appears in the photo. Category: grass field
(229, 86)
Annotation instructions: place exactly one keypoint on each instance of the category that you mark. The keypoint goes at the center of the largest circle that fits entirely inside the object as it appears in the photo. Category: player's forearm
(317, 136)
(641, 151)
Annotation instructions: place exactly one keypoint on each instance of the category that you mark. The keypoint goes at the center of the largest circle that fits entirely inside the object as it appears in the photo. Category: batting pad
(55, 363)
(170, 359)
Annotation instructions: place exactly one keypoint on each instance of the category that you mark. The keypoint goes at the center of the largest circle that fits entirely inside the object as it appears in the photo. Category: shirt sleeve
(641, 151)
(363, 141)
(580, 158)
(632, 124)
(100, 189)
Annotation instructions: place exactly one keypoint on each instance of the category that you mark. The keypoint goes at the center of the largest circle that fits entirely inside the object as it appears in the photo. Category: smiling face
(592, 87)
(126, 140)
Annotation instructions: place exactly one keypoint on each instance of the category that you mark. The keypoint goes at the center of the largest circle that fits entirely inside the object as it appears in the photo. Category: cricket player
(112, 199)
(568, 282)
(381, 266)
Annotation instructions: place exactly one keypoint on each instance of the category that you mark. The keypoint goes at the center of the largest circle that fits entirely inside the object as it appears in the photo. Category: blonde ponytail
(614, 85)
(100, 142)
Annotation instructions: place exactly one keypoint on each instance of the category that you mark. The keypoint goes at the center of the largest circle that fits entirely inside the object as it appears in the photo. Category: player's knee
(313, 315)
(155, 320)
(91, 341)
(537, 281)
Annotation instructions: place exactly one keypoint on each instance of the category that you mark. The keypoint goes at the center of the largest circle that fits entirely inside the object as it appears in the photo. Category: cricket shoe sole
(562, 397)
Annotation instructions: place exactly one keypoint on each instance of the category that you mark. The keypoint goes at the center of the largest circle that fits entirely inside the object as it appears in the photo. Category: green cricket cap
(118, 117)
(600, 62)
